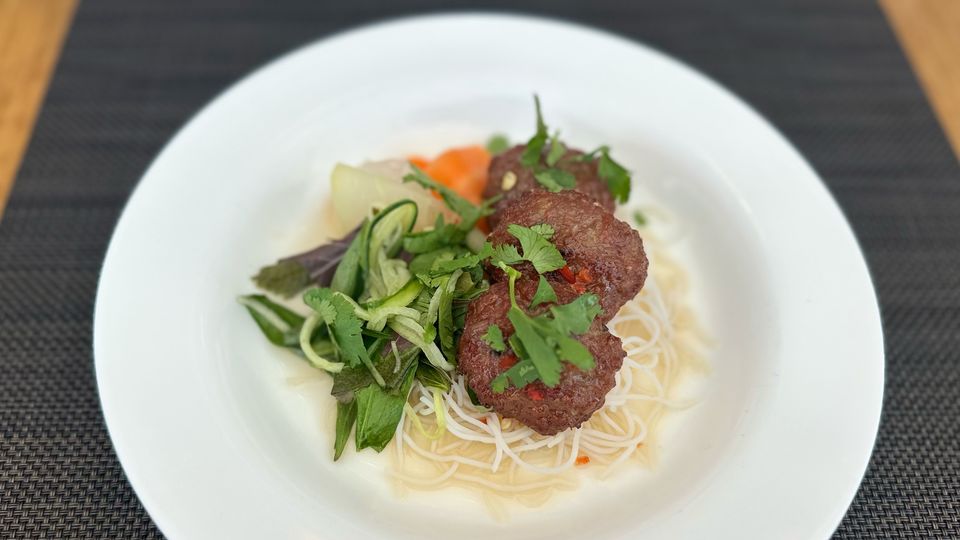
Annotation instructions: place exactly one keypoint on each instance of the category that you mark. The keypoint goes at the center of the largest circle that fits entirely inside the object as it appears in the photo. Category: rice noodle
(452, 442)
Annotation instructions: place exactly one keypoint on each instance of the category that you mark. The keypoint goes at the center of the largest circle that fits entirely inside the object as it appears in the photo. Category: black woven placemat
(828, 73)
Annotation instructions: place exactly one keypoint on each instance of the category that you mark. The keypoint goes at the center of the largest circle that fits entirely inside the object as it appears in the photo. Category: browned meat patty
(588, 180)
(546, 410)
(604, 255)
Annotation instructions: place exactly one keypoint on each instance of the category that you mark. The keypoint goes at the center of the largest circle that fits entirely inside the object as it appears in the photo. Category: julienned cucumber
(388, 228)
(386, 275)
(401, 298)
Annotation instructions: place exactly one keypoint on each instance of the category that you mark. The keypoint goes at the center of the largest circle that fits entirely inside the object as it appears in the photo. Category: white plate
(218, 445)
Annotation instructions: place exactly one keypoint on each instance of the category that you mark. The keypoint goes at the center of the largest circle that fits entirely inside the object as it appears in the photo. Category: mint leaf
(494, 338)
(531, 154)
(544, 294)
(537, 249)
(555, 180)
(497, 144)
(346, 416)
(379, 412)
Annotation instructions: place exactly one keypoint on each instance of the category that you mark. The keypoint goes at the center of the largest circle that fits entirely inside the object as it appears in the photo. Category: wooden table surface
(32, 33)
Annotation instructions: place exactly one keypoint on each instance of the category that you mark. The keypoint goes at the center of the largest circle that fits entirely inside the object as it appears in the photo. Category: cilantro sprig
(554, 178)
(536, 246)
(543, 343)
(615, 175)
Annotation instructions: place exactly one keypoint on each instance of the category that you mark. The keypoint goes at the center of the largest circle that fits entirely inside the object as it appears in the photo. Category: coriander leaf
(555, 180)
(497, 144)
(423, 263)
(542, 254)
(571, 350)
(519, 375)
(531, 154)
(342, 323)
(616, 177)
(576, 316)
(544, 294)
(639, 218)
(544, 229)
(346, 416)
(505, 253)
(540, 353)
(494, 338)
(557, 150)
(379, 412)
(441, 236)
(460, 263)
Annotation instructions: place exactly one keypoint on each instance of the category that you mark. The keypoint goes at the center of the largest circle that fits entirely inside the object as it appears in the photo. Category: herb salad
(387, 303)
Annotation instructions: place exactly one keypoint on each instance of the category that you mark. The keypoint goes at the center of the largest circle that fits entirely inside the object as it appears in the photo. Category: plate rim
(440, 18)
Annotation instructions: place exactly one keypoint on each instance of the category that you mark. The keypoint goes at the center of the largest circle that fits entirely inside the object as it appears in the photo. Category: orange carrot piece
(583, 460)
(463, 170)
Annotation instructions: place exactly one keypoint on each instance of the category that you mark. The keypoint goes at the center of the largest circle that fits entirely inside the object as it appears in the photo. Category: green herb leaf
(571, 350)
(544, 229)
(432, 377)
(279, 325)
(504, 253)
(497, 144)
(531, 154)
(639, 218)
(541, 353)
(544, 294)
(494, 338)
(557, 150)
(342, 323)
(542, 343)
(555, 180)
(519, 375)
(442, 235)
(446, 326)
(285, 278)
(346, 416)
(423, 263)
(537, 249)
(291, 275)
(379, 411)
(576, 316)
(348, 278)
(351, 379)
(616, 177)
(468, 212)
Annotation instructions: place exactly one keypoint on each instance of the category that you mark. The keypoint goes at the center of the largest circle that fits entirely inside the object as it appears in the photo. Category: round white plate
(218, 444)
